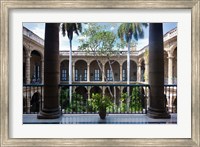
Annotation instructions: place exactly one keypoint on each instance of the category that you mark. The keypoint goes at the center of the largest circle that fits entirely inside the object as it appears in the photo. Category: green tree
(70, 28)
(127, 32)
(101, 42)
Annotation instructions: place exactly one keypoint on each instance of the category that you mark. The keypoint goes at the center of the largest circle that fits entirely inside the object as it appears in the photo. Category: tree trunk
(51, 109)
(70, 72)
(128, 77)
(157, 107)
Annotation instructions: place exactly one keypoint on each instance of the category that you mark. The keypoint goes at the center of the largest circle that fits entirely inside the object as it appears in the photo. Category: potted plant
(100, 103)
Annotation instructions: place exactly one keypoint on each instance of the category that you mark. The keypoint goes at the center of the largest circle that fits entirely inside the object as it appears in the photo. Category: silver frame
(6, 5)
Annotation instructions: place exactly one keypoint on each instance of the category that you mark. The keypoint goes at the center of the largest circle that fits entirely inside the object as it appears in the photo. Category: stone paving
(94, 119)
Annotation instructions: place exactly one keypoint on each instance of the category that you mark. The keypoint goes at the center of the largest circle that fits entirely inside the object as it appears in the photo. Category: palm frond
(71, 28)
(63, 28)
(128, 30)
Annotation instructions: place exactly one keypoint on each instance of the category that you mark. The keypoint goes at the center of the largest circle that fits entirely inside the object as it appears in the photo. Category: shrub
(99, 102)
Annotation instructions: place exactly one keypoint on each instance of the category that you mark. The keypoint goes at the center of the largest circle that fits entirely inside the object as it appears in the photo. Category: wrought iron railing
(32, 98)
(122, 102)
(136, 101)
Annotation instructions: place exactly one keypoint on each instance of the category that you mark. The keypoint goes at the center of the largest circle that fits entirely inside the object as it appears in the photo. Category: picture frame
(6, 5)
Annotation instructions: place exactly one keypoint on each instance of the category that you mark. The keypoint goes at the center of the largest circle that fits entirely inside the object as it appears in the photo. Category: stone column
(27, 68)
(146, 72)
(51, 108)
(139, 72)
(88, 72)
(157, 108)
(121, 76)
(42, 71)
(103, 73)
(170, 69)
(88, 92)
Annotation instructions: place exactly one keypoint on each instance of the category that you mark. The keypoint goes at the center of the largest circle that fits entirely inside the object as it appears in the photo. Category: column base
(158, 114)
(49, 114)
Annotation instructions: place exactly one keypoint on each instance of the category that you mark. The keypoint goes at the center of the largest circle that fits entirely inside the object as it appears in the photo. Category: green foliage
(64, 94)
(128, 30)
(71, 28)
(99, 102)
(78, 102)
(135, 101)
(123, 99)
(99, 40)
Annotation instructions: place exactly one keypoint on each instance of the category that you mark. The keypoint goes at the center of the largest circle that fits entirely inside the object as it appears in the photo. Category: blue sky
(39, 28)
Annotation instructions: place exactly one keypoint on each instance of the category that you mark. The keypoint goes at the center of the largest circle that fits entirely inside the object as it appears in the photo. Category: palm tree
(70, 28)
(127, 32)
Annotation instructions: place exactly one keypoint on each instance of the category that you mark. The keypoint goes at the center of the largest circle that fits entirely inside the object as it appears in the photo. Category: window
(96, 75)
(85, 75)
(63, 75)
(37, 71)
(109, 75)
(124, 75)
(36, 74)
(76, 74)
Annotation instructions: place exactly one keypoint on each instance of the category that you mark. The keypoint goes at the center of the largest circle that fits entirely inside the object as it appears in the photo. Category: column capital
(170, 57)
(28, 55)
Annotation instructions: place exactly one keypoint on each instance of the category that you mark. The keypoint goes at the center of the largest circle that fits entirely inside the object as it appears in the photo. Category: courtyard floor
(94, 119)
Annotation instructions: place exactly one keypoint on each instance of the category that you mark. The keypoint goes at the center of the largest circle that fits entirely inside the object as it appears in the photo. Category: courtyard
(94, 119)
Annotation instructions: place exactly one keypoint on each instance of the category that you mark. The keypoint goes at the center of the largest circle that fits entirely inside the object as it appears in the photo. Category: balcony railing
(91, 53)
(33, 36)
(136, 102)
(32, 98)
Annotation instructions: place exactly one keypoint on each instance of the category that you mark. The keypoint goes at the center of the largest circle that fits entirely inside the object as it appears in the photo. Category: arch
(174, 47)
(64, 70)
(35, 102)
(81, 70)
(81, 90)
(35, 67)
(95, 71)
(95, 89)
(34, 51)
(116, 70)
(78, 60)
(133, 71)
(141, 60)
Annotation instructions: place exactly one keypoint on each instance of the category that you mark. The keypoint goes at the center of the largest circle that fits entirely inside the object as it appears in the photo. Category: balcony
(138, 99)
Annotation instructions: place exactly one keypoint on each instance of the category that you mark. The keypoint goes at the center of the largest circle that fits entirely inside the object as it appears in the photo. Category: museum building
(90, 69)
